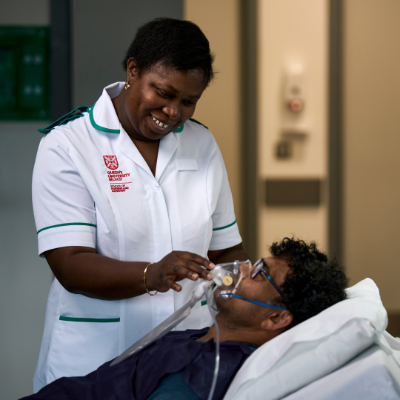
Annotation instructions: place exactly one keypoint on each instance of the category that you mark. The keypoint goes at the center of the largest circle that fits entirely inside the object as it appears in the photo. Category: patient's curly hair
(313, 284)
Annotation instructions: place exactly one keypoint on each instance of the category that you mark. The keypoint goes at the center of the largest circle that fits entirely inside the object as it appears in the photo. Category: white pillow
(313, 348)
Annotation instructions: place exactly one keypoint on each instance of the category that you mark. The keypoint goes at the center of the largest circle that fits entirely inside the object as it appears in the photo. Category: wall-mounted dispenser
(294, 127)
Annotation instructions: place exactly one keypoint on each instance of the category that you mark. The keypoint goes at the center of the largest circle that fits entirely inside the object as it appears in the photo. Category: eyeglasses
(259, 266)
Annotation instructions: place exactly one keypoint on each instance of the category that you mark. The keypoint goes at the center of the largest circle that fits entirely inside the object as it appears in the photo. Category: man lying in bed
(297, 278)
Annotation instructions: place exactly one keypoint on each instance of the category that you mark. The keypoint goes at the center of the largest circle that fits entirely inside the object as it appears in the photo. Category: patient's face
(243, 313)
(260, 288)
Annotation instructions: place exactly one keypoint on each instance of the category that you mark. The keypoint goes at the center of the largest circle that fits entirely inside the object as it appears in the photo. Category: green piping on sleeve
(98, 127)
(74, 114)
(226, 226)
(71, 223)
(70, 319)
(204, 302)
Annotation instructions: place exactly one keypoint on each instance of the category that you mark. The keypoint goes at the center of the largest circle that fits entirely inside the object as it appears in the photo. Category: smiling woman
(136, 205)
(155, 103)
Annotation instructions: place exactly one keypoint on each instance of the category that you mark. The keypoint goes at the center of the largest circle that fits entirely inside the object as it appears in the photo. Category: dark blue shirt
(137, 377)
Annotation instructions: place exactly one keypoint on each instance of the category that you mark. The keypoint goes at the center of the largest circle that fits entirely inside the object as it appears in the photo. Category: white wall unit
(293, 32)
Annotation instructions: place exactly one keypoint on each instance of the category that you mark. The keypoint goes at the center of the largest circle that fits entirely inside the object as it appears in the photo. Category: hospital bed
(342, 353)
(372, 375)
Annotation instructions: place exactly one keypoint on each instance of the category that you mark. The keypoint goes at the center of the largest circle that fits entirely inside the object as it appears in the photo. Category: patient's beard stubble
(233, 318)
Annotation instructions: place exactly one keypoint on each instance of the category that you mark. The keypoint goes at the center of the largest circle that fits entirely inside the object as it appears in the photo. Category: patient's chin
(233, 317)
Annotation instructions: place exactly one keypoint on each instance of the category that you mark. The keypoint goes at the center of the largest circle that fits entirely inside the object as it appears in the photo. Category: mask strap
(253, 301)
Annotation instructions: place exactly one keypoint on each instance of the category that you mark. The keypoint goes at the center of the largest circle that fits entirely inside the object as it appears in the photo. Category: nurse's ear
(131, 69)
(277, 320)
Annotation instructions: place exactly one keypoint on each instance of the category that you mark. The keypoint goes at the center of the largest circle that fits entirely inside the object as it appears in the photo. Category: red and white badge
(111, 162)
(116, 178)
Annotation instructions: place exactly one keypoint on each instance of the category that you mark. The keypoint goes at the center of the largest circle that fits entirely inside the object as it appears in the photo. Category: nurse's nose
(173, 111)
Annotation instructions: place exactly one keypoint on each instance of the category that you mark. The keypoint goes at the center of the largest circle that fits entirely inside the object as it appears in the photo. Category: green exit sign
(24, 73)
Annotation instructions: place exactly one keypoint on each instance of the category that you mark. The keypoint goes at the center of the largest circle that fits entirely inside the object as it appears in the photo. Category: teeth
(159, 123)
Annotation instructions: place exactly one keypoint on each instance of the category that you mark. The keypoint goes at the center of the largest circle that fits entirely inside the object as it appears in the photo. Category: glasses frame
(259, 266)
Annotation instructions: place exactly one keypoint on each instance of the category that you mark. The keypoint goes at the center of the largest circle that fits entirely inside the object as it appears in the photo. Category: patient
(297, 279)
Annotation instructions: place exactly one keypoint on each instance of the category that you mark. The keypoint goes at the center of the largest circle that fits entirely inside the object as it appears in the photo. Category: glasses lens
(257, 268)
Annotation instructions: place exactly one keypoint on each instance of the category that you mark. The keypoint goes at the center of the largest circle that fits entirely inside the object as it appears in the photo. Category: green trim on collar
(65, 119)
(71, 223)
(226, 226)
(70, 319)
(197, 122)
(179, 129)
(98, 127)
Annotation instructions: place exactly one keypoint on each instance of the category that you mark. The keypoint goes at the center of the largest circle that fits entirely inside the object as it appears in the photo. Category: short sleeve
(63, 208)
(225, 232)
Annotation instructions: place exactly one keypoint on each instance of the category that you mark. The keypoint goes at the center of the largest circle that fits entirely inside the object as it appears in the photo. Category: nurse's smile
(162, 125)
(158, 101)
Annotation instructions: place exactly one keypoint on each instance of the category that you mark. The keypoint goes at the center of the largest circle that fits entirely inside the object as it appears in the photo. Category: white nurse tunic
(92, 188)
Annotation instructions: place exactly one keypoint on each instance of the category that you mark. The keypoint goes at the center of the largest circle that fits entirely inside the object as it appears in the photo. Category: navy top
(173, 386)
(137, 377)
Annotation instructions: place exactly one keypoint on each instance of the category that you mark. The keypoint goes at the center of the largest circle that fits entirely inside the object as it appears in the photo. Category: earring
(127, 85)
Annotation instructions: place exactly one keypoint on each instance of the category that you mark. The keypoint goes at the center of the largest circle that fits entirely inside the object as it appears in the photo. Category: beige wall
(219, 107)
(372, 144)
(293, 31)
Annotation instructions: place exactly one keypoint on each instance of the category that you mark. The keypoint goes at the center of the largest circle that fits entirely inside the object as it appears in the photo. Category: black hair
(173, 43)
(313, 283)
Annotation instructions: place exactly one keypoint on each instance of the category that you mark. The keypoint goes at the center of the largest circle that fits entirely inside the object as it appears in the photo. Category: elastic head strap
(252, 301)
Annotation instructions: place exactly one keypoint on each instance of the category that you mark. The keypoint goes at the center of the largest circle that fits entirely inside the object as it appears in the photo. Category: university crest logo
(111, 162)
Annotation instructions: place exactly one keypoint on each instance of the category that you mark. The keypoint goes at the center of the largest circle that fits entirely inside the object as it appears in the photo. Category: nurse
(132, 205)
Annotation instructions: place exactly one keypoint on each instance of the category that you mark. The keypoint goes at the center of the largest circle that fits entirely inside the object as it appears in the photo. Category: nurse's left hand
(176, 266)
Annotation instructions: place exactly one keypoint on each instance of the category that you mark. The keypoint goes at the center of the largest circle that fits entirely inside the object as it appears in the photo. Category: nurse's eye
(188, 103)
(165, 94)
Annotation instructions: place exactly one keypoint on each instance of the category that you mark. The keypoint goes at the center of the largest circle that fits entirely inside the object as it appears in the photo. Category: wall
(102, 31)
(24, 277)
(371, 143)
(219, 107)
(292, 31)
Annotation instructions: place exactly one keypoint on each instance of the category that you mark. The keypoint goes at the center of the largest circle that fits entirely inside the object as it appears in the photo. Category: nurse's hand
(174, 267)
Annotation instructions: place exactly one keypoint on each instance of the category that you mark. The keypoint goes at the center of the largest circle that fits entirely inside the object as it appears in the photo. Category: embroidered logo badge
(111, 162)
(118, 179)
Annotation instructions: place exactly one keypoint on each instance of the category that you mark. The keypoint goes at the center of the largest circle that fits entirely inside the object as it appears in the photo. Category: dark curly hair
(173, 43)
(313, 284)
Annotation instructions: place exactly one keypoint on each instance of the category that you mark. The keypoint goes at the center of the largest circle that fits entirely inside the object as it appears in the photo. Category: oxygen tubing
(216, 368)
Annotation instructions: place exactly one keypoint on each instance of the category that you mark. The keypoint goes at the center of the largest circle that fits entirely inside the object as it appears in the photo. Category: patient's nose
(244, 270)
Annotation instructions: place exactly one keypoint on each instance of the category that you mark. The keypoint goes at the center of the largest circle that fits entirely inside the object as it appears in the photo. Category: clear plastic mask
(227, 278)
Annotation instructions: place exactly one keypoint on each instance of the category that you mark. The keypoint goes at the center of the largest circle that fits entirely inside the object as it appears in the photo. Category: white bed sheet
(314, 348)
(373, 375)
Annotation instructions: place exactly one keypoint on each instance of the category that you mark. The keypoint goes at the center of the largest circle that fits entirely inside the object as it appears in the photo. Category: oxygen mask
(226, 280)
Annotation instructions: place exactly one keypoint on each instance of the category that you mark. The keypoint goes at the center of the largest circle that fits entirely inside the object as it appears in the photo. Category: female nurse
(132, 205)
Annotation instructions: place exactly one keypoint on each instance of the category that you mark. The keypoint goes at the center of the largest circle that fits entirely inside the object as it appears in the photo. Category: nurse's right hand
(174, 267)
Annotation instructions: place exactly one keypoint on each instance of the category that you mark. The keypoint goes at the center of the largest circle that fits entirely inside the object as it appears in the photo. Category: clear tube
(216, 368)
